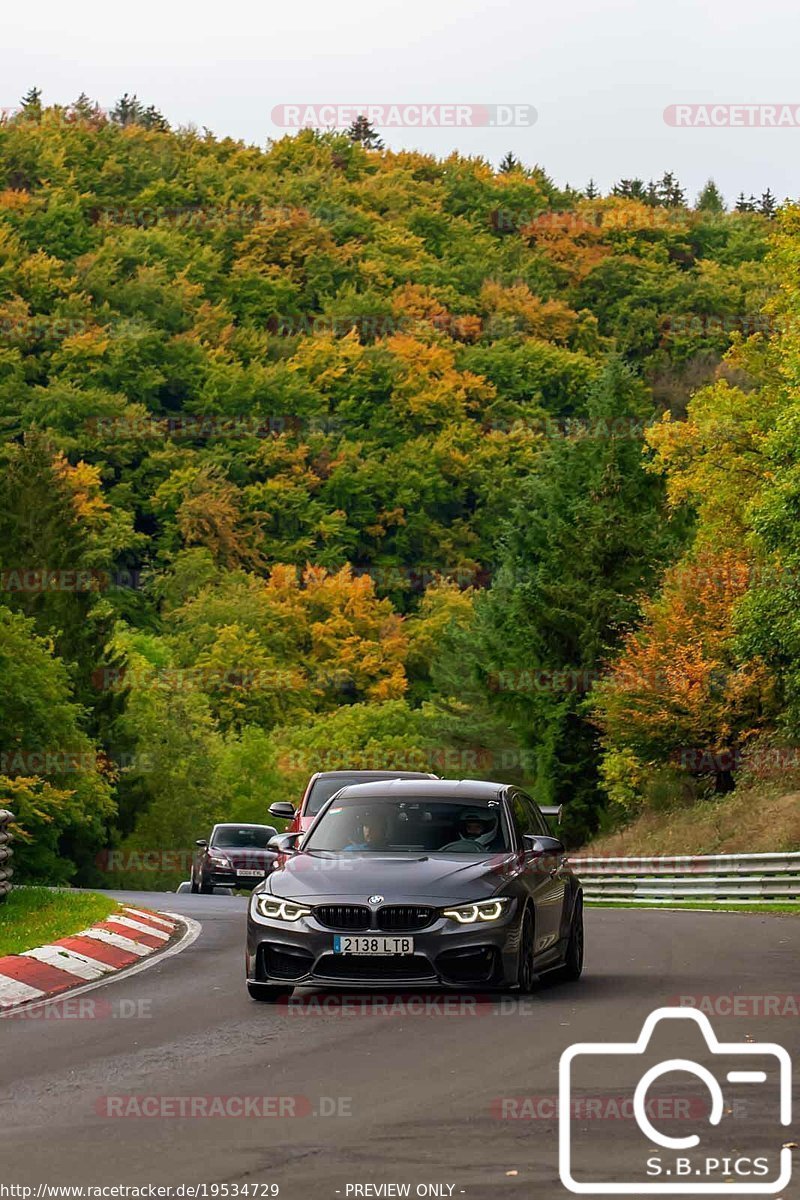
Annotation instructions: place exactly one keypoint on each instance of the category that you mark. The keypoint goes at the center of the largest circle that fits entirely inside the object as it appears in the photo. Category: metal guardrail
(6, 853)
(734, 878)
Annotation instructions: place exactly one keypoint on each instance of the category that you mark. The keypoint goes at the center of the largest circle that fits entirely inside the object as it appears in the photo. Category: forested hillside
(326, 455)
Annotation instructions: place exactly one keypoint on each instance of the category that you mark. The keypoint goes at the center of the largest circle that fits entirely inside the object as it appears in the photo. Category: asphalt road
(463, 1100)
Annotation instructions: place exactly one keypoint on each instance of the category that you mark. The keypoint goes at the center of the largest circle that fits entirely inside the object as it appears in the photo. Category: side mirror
(202, 842)
(284, 812)
(284, 843)
(541, 845)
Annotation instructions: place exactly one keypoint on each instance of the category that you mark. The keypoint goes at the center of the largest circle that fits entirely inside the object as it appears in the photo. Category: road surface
(464, 1100)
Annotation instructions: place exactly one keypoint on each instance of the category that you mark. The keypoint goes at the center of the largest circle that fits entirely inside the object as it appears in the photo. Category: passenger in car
(373, 833)
(475, 833)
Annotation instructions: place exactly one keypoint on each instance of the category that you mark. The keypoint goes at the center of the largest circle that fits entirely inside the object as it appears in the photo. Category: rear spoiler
(552, 810)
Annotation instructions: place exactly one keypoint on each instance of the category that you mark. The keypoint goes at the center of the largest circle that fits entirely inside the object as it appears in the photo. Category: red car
(322, 786)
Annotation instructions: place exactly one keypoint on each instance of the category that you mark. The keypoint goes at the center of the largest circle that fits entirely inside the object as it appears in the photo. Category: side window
(520, 814)
(535, 819)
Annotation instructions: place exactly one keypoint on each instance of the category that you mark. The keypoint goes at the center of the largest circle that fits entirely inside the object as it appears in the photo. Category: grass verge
(700, 906)
(750, 820)
(30, 917)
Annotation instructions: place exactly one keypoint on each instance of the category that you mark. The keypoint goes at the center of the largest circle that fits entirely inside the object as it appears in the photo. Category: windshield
(323, 789)
(253, 836)
(410, 826)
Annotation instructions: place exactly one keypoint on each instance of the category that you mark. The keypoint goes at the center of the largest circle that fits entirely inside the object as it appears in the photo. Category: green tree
(83, 109)
(632, 189)
(710, 199)
(670, 192)
(586, 534)
(31, 104)
(127, 110)
(509, 163)
(51, 773)
(768, 621)
(45, 552)
(362, 132)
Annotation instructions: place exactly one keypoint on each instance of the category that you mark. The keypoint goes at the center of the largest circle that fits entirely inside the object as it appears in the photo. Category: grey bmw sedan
(450, 883)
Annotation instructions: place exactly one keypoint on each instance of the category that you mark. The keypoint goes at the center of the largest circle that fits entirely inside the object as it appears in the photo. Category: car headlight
(219, 860)
(481, 910)
(279, 910)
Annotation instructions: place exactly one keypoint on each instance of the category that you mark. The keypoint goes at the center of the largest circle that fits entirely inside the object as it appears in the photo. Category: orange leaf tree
(676, 691)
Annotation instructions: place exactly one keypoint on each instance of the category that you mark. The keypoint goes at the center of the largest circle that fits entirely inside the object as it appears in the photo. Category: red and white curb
(88, 958)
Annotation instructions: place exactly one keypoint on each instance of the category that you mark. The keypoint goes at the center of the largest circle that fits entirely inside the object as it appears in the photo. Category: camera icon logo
(673, 1169)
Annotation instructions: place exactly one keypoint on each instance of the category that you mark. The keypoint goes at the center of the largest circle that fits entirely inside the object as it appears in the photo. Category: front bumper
(300, 954)
(231, 878)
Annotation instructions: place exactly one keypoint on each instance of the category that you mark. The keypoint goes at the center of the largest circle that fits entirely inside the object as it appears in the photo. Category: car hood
(399, 878)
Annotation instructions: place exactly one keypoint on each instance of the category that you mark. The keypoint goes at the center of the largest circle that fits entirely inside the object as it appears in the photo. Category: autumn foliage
(676, 687)
(337, 434)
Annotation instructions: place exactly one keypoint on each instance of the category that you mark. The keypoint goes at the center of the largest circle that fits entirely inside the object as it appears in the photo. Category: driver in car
(476, 831)
(374, 828)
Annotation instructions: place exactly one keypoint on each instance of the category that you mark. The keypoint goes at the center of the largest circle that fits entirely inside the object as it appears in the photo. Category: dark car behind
(235, 855)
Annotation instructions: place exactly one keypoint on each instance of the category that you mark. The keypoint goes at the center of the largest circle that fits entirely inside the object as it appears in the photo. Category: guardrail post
(6, 853)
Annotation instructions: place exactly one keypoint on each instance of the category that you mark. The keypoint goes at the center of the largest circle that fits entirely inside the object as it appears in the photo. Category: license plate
(251, 874)
(373, 945)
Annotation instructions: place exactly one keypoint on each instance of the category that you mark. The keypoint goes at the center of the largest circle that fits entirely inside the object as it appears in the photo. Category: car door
(542, 874)
(557, 869)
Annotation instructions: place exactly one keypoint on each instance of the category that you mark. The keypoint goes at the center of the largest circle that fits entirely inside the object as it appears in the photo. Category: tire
(195, 888)
(573, 958)
(268, 993)
(207, 889)
(526, 973)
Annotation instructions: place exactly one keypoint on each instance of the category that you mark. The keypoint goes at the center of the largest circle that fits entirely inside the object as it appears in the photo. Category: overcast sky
(598, 74)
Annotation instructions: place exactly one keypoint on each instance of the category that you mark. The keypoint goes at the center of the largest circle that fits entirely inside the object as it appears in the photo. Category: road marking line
(144, 939)
(148, 916)
(33, 973)
(93, 948)
(68, 960)
(100, 963)
(14, 992)
(140, 927)
(116, 939)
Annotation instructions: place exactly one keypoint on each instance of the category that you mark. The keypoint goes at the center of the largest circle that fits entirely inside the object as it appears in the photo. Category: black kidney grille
(355, 966)
(408, 917)
(343, 916)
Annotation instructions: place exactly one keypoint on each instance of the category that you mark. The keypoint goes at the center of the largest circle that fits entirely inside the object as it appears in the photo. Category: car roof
(376, 775)
(427, 788)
